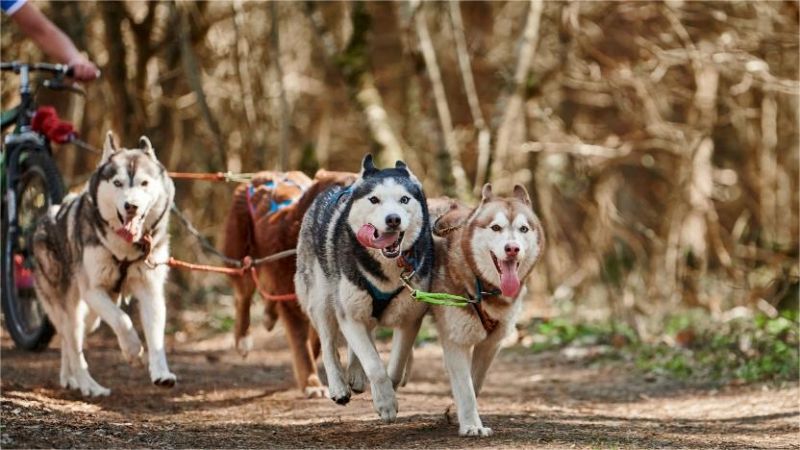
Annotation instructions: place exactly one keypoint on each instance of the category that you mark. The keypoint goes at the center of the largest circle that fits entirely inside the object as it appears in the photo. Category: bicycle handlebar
(56, 69)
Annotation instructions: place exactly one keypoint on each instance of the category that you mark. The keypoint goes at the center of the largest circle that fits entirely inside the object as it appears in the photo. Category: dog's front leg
(402, 343)
(383, 398)
(121, 323)
(153, 312)
(482, 357)
(456, 358)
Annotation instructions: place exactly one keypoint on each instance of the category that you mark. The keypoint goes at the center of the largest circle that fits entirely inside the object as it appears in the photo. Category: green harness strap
(439, 298)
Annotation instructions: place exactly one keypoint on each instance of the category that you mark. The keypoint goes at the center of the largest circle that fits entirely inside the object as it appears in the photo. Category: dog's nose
(393, 221)
(512, 250)
(130, 208)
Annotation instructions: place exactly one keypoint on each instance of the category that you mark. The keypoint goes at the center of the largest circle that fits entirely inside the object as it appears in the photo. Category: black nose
(393, 221)
(130, 208)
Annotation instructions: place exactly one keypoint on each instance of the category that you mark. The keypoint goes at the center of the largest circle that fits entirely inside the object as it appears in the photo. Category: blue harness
(273, 205)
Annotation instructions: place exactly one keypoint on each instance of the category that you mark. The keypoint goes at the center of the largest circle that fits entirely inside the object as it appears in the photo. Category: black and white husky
(95, 248)
(354, 244)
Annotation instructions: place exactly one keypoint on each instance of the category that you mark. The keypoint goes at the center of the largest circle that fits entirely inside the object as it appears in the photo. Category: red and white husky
(486, 253)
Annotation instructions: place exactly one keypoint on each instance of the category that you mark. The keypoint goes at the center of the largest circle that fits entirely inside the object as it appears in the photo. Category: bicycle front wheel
(38, 187)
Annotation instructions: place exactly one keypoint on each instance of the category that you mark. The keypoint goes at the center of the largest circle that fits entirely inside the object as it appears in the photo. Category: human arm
(53, 41)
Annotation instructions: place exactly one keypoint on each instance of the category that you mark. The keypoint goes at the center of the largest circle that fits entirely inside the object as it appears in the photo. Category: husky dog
(485, 253)
(354, 244)
(94, 249)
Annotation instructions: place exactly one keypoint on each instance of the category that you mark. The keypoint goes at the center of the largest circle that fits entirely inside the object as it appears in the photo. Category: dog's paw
(68, 382)
(385, 402)
(338, 391)
(244, 345)
(357, 379)
(92, 388)
(133, 351)
(316, 392)
(167, 380)
(475, 430)
(341, 398)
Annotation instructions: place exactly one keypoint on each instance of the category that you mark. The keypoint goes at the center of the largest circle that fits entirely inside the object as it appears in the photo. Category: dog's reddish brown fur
(259, 234)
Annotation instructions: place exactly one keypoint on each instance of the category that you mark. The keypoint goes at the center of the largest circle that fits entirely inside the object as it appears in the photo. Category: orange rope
(218, 176)
(172, 262)
(268, 296)
(247, 266)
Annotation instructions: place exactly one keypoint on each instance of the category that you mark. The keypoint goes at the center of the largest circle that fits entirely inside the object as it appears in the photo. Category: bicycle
(31, 183)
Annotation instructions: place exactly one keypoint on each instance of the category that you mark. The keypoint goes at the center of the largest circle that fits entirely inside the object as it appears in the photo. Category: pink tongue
(129, 229)
(509, 280)
(366, 236)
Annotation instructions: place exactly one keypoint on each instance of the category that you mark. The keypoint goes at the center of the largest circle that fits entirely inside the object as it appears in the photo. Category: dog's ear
(109, 147)
(521, 194)
(368, 166)
(147, 147)
(486, 193)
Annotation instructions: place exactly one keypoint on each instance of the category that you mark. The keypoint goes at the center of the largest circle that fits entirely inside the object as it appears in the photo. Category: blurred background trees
(658, 140)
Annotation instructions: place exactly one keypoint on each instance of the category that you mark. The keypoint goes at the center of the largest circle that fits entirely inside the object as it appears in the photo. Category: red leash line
(267, 296)
(217, 176)
(248, 267)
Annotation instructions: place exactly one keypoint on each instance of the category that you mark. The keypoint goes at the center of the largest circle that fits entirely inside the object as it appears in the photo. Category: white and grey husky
(95, 248)
(354, 244)
(485, 253)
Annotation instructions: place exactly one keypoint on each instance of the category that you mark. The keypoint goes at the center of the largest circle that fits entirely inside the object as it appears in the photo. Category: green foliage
(558, 332)
(693, 346)
(221, 322)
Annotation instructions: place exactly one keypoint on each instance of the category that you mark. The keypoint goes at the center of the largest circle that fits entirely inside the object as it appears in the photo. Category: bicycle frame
(22, 115)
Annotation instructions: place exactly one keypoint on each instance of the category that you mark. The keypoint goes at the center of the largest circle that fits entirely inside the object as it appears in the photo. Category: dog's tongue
(366, 236)
(130, 228)
(509, 280)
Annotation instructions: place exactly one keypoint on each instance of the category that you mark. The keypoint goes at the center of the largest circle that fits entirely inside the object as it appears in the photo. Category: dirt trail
(225, 401)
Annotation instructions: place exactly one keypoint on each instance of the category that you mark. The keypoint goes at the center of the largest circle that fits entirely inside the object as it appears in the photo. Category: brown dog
(265, 219)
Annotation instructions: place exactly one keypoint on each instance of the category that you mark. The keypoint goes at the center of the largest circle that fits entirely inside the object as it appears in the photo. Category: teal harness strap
(479, 292)
(380, 299)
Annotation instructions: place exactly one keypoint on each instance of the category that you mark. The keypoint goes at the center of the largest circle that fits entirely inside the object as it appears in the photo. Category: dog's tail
(237, 243)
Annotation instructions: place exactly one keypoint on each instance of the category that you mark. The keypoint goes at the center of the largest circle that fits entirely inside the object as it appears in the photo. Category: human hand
(83, 69)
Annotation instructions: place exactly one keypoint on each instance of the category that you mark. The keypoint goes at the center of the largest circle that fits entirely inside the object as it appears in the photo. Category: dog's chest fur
(453, 275)
(73, 243)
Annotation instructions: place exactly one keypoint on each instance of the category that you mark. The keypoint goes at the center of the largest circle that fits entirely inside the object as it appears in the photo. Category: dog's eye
(144, 183)
(117, 183)
(497, 228)
(404, 199)
(523, 229)
(374, 200)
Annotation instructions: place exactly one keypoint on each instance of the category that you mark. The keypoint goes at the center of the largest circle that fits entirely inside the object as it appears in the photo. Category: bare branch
(442, 108)
(465, 66)
(514, 107)
(193, 75)
(283, 149)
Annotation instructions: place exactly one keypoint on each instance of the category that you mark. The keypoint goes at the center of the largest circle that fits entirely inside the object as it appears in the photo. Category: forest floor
(545, 400)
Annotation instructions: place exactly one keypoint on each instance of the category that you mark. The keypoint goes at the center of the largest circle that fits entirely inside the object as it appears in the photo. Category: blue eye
(117, 183)
(404, 199)
(523, 229)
